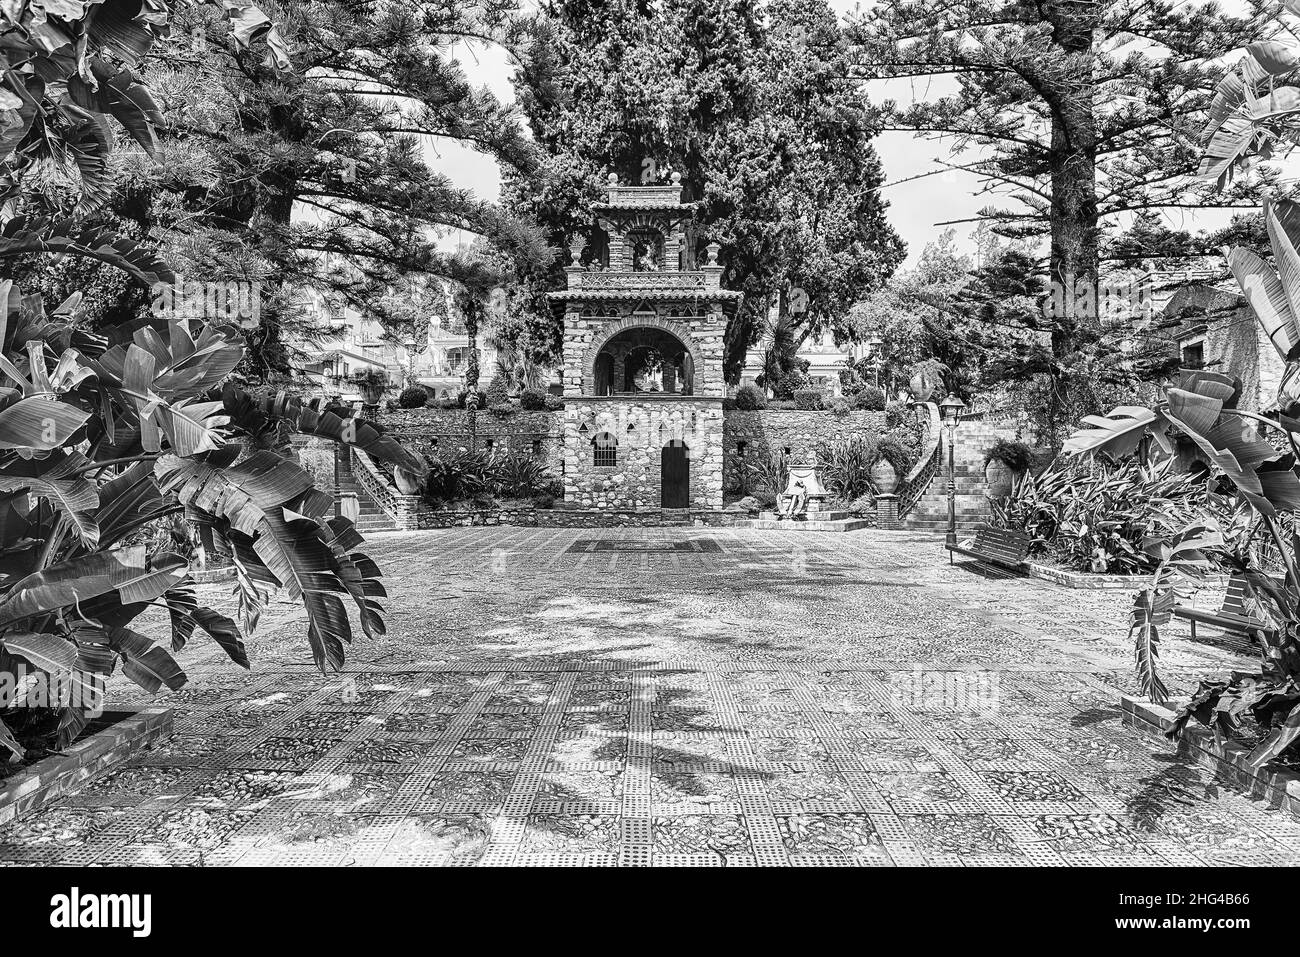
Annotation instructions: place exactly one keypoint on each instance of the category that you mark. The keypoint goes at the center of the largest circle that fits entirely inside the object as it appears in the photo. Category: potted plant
(894, 460)
(1004, 462)
(927, 376)
(372, 383)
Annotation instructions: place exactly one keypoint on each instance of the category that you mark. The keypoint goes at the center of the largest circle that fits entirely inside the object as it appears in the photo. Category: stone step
(807, 525)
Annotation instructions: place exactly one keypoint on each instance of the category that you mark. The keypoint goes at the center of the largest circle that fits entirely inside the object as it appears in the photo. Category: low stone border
(1072, 579)
(210, 576)
(53, 777)
(1229, 760)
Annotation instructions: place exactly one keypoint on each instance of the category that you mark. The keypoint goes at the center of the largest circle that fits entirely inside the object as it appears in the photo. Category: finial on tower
(613, 179)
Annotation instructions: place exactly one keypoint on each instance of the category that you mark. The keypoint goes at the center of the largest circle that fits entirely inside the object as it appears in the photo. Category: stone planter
(1229, 760)
(1001, 480)
(884, 478)
(120, 735)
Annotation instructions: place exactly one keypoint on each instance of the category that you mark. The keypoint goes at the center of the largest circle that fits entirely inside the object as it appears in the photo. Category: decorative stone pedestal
(887, 511)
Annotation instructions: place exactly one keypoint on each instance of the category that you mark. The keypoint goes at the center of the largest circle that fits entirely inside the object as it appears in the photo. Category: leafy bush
(781, 404)
(750, 398)
(502, 409)
(808, 400)
(871, 399)
(1016, 456)
(554, 403)
(532, 400)
(837, 405)
(1098, 517)
(899, 416)
(413, 397)
(792, 381)
(518, 476)
(464, 396)
(767, 475)
(544, 501)
(845, 467)
(476, 475)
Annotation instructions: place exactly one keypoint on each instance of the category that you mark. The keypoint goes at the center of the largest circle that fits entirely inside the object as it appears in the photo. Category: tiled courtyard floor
(673, 697)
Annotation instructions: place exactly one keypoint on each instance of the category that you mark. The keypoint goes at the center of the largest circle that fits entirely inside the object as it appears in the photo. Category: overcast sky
(916, 205)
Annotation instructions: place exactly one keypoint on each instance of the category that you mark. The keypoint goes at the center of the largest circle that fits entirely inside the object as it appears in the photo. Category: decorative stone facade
(644, 321)
(751, 435)
(643, 430)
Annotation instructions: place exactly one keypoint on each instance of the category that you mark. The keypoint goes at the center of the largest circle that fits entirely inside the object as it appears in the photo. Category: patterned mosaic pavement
(692, 697)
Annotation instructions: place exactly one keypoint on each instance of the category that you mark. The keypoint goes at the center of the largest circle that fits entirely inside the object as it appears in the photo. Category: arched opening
(675, 475)
(644, 360)
(604, 450)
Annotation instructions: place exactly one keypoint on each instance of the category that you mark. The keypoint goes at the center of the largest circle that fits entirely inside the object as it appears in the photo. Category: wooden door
(675, 475)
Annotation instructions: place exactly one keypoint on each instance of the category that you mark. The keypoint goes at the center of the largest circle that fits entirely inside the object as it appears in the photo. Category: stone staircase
(372, 518)
(974, 436)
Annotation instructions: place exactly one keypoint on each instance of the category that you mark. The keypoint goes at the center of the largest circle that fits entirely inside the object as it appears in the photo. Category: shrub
(808, 400)
(464, 394)
(498, 391)
(502, 409)
(750, 397)
(767, 475)
(870, 399)
(413, 397)
(838, 405)
(532, 400)
(1097, 517)
(518, 476)
(785, 404)
(795, 380)
(472, 475)
(845, 467)
(544, 501)
(899, 415)
(554, 403)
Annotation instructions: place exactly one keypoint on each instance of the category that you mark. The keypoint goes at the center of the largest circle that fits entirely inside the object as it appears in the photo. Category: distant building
(825, 359)
(330, 363)
(1212, 328)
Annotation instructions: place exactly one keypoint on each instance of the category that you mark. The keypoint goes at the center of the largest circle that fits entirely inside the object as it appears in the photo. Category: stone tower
(643, 348)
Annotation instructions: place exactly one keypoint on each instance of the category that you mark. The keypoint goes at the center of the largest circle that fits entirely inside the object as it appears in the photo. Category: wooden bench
(1234, 615)
(996, 546)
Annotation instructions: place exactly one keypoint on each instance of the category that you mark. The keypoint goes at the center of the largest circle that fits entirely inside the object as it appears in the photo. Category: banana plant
(1264, 479)
(98, 440)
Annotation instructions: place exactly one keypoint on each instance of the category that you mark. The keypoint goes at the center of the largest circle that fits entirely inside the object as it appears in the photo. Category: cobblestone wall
(447, 430)
(753, 435)
(641, 430)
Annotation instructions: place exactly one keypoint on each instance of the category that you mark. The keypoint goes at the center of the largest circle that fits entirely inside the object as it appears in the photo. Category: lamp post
(951, 409)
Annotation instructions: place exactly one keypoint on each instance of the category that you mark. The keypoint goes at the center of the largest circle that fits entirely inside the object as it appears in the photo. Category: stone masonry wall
(766, 432)
(434, 431)
(642, 429)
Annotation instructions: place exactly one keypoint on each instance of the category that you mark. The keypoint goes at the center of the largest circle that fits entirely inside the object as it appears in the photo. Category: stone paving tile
(756, 698)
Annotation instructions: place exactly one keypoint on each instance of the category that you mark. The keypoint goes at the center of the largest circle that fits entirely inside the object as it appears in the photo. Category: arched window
(604, 450)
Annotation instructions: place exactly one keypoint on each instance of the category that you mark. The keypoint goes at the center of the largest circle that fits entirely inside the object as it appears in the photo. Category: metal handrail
(927, 466)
